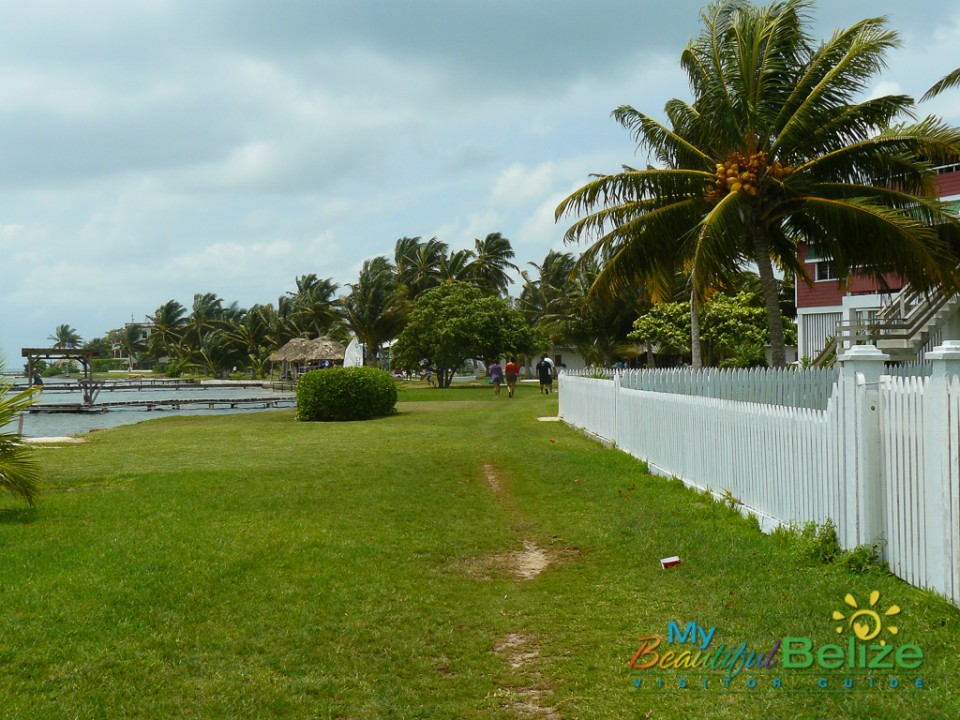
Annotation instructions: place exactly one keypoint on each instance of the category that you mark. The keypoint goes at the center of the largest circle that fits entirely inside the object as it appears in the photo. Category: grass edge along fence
(880, 459)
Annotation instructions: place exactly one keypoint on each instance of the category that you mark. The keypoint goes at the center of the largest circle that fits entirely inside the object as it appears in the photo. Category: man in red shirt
(512, 371)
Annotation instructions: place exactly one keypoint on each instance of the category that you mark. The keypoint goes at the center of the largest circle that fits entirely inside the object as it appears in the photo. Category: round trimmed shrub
(354, 393)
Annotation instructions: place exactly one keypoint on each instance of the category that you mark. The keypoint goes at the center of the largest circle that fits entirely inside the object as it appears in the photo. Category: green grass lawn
(250, 566)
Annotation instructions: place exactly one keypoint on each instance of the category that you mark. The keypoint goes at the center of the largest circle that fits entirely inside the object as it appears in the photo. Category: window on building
(826, 271)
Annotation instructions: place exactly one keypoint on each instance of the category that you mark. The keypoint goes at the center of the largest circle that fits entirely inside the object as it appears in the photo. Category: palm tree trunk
(771, 298)
(695, 359)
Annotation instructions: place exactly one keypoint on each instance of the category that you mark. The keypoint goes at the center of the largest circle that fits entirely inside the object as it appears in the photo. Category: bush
(102, 365)
(356, 393)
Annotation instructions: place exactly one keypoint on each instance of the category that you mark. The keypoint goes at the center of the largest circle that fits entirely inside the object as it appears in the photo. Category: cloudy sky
(153, 149)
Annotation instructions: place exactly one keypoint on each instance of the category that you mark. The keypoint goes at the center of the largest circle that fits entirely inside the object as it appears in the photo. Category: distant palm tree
(596, 324)
(66, 337)
(168, 321)
(131, 342)
(419, 264)
(316, 311)
(776, 148)
(373, 308)
(19, 471)
(207, 311)
(491, 261)
(218, 355)
(539, 296)
(455, 267)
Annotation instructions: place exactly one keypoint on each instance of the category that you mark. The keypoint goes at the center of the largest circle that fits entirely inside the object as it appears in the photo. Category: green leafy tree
(101, 346)
(776, 148)
(736, 325)
(19, 471)
(734, 328)
(457, 322)
(666, 326)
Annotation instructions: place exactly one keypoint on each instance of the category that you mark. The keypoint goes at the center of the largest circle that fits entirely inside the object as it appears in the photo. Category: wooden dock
(142, 385)
(167, 404)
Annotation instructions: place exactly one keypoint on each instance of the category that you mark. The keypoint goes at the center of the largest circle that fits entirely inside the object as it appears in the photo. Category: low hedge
(355, 393)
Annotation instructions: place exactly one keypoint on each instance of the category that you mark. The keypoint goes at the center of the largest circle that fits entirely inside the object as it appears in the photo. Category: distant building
(821, 307)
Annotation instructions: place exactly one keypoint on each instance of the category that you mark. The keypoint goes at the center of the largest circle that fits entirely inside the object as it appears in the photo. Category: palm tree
(206, 312)
(539, 297)
(316, 311)
(418, 264)
(168, 321)
(455, 267)
(373, 308)
(65, 337)
(131, 342)
(250, 341)
(19, 472)
(491, 261)
(218, 354)
(596, 324)
(774, 150)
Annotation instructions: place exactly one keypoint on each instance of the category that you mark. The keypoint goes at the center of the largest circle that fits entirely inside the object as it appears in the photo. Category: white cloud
(161, 148)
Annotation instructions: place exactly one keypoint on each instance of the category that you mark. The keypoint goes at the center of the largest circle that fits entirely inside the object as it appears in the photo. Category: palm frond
(950, 80)
(19, 471)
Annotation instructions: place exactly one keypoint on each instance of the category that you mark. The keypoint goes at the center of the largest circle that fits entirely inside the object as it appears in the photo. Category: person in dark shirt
(545, 373)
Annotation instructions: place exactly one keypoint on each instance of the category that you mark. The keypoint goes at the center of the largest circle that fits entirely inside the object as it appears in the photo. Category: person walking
(513, 374)
(495, 371)
(545, 373)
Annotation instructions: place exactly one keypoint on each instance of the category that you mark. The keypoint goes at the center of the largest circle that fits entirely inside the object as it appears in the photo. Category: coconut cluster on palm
(777, 147)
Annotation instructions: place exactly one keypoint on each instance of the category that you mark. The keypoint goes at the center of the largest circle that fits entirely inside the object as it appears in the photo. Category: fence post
(940, 456)
(615, 430)
(863, 523)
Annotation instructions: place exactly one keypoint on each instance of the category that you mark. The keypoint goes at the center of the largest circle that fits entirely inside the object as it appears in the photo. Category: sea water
(44, 424)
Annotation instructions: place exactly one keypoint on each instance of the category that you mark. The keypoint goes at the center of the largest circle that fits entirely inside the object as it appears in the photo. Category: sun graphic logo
(866, 622)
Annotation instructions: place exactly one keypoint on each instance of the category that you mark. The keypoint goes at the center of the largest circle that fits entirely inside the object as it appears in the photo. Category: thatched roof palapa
(301, 350)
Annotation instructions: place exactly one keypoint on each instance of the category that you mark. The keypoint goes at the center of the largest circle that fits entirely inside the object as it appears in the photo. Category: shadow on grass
(17, 516)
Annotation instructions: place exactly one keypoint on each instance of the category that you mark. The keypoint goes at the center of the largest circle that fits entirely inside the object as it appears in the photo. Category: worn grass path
(457, 560)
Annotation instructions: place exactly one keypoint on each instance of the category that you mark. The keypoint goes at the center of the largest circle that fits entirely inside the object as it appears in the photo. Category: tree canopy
(778, 146)
(457, 322)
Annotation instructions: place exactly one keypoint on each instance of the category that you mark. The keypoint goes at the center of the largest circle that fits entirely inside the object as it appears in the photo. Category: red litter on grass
(669, 562)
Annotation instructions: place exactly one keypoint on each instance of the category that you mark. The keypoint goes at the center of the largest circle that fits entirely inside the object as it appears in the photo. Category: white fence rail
(880, 459)
(803, 388)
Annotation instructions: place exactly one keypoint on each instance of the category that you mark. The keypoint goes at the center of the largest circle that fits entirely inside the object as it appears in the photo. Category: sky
(153, 149)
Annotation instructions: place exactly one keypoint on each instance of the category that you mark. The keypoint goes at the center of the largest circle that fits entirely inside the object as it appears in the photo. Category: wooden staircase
(900, 329)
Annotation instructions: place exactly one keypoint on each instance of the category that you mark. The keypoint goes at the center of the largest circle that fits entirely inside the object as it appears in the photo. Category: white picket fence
(810, 388)
(880, 459)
